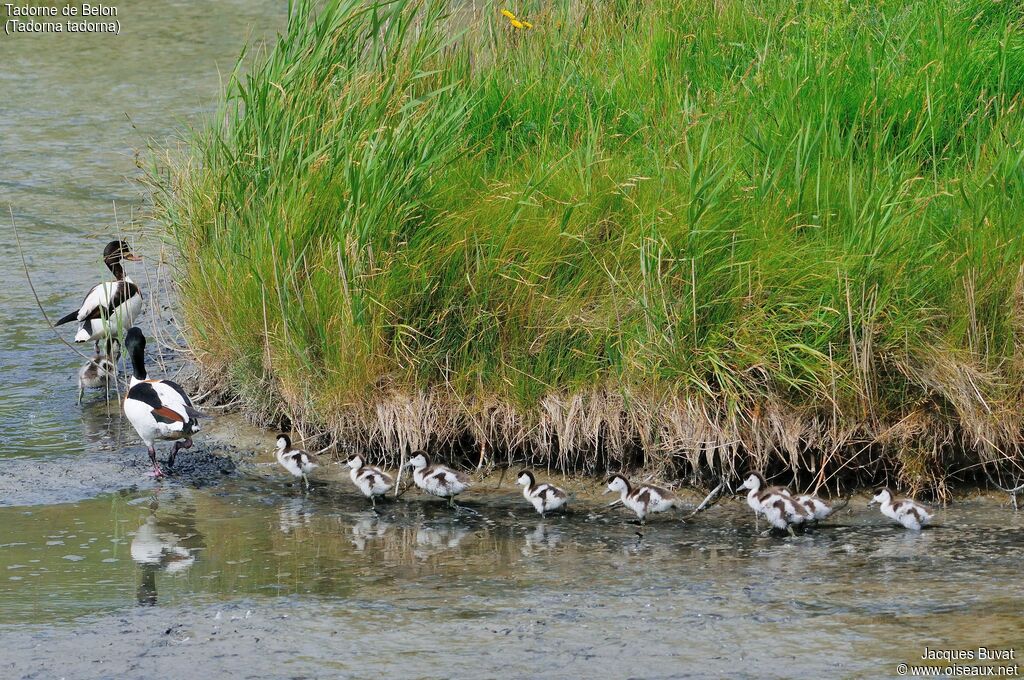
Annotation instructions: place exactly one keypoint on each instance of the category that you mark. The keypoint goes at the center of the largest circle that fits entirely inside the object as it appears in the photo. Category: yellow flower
(512, 19)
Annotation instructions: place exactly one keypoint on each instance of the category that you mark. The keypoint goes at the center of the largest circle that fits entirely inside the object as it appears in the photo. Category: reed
(687, 236)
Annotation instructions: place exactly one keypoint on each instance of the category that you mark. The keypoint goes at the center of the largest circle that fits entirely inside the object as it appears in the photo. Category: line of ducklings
(784, 510)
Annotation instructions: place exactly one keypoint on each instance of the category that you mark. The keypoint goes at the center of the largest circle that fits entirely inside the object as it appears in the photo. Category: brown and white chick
(776, 503)
(644, 500)
(544, 497)
(372, 481)
(907, 512)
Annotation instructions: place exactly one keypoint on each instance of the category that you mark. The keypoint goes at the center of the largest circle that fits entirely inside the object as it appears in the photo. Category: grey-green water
(106, 574)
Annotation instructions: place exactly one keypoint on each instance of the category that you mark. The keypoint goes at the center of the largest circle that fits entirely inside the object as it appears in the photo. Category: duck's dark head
(135, 343)
(284, 442)
(882, 495)
(617, 483)
(418, 460)
(525, 478)
(355, 462)
(753, 482)
(119, 250)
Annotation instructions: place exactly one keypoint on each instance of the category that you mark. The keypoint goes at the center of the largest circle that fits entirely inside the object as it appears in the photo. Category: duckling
(437, 480)
(776, 503)
(108, 307)
(644, 499)
(296, 461)
(100, 370)
(545, 497)
(157, 409)
(816, 508)
(907, 512)
(371, 481)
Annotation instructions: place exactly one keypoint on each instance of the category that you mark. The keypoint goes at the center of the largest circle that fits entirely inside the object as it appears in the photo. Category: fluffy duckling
(545, 497)
(157, 409)
(437, 480)
(296, 461)
(816, 508)
(99, 371)
(644, 499)
(776, 503)
(371, 481)
(907, 512)
(108, 307)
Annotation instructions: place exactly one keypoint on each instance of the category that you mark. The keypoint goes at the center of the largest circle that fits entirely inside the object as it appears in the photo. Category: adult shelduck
(371, 481)
(545, 497)
(437, 480)
(644, 499)
(112, 306)
(776, 504)
(100, 370)
(296, 461)
(157, 409)
(907, 512)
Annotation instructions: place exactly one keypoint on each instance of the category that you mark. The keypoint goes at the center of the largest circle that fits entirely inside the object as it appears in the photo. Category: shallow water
(430, 590)
(104, 573)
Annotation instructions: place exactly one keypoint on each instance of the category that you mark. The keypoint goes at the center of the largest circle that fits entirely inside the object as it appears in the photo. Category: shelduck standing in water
(112, 306)
(907, 512)
(370, 480)
(644, 499)
(437, 480)
(296, 461)
(545, 497)
(100, 370)
(157, 409)
(776, 504)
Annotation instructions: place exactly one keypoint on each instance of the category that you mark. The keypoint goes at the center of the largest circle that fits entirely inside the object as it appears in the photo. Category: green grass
(690, 236)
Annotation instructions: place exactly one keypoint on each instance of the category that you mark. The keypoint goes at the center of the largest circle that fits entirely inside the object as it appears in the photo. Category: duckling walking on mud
(296, 461)
(437, 480)
(371, 481)
(907, 512)
(642, 500)
(544, 497)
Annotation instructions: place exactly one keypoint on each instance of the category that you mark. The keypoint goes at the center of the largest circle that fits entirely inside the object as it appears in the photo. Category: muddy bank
(67, 479)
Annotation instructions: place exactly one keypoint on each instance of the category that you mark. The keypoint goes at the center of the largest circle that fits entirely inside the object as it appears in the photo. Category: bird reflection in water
(367, 529)
(163, 544)
(542, 539)
(294, 513)
(431, 540)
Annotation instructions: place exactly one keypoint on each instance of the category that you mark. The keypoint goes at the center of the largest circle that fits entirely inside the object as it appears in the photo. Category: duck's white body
(776, 504)
(109, 308)
(643, 500)
(907, 512)
(371, 481)
(544, 497)
(437, 480)
(816, 508)
(157, 409)
(297, 462)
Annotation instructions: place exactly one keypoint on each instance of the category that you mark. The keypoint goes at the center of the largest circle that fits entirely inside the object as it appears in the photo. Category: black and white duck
(437, 480)
(370, 480)
(297, 462)
(774, 502)
(544, 497)
(110, 307)
(157, 409)
(906, 511)
(644, 499)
